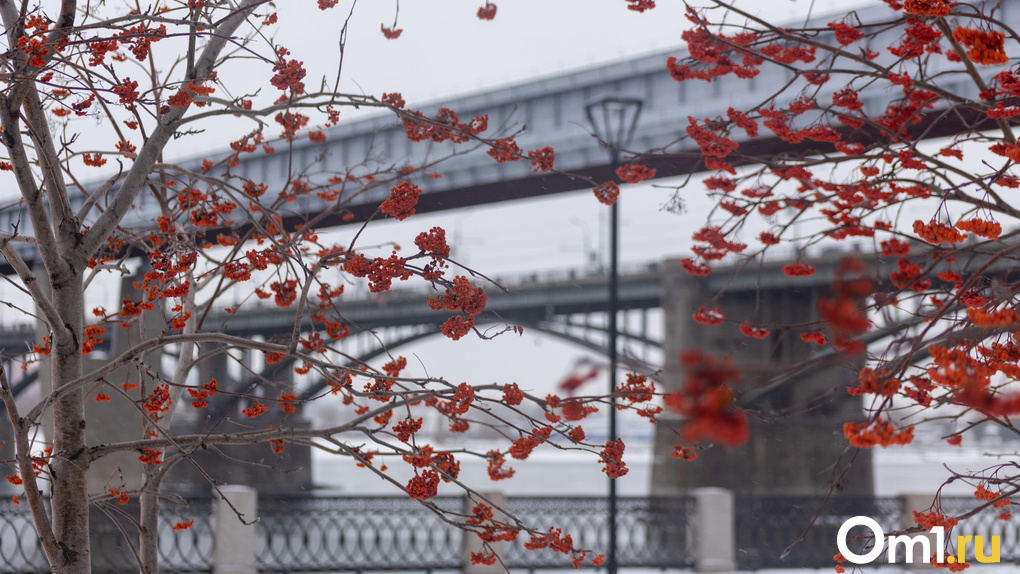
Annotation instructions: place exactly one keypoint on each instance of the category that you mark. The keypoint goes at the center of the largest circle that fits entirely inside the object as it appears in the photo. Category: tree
(893, 126)
(150, 75)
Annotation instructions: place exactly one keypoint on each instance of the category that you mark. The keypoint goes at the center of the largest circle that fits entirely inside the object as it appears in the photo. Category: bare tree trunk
(148, 541)
(70, 496)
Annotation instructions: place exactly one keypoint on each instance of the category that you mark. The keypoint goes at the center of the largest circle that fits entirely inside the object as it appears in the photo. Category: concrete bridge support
(120, 419)
(257, 465)
(117, 419)
(795, 452)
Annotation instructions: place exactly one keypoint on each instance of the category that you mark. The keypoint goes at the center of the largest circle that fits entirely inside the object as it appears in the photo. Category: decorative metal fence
(985, 524)
(19, 546)
(329, 534)
(767, 525)
(180, 551)
(651, 532)
(297, 535)
(382, 533)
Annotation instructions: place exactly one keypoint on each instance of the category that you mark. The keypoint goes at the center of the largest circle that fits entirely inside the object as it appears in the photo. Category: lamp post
(613, 119)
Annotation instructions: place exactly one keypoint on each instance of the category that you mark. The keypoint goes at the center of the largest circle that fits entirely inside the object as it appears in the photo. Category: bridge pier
(256, 465)
(119, 470)
(792, 456)
(126, 424)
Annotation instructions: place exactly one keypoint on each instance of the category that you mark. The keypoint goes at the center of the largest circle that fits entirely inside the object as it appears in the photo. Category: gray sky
(447, 50)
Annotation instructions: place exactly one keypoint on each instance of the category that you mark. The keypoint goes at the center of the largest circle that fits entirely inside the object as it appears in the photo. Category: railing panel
(986, 524)
(189, 550)
(20, 551)
(652, 532)
(767, 525)
(331, 534)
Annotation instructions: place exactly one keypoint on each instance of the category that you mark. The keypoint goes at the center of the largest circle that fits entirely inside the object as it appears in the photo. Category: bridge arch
(552, 329)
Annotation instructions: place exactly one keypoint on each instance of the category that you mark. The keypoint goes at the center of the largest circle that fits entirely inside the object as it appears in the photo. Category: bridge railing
(327, 534)
(767, 525)
(356, 533)
(986, 524)
(330, 534)
(652, 532)
(189, 550)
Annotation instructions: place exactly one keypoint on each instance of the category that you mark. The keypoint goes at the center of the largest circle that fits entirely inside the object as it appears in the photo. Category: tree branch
(24, 458)
(151, 151)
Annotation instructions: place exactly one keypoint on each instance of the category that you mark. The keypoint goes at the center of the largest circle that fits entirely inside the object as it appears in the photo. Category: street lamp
(613, 119)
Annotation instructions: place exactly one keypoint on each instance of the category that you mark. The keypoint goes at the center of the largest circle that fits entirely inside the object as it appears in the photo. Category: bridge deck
(552, 111)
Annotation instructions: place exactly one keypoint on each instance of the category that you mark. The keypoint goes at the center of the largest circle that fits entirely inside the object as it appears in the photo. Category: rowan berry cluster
(879, 432)
(424, 486)
(495, 466)
(635, 172)
(986, 46)
(707, 401)
(463, 297)
(487, 12)
(402, 201)
(612, 458)
(201, 394)
(521, 448)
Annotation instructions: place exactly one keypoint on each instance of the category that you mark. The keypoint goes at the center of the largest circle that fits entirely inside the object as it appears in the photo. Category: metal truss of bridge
(568, 307)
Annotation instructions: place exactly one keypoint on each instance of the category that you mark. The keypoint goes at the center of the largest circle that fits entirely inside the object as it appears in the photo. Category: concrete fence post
(472, 543)
(715, 540)
(235, 541)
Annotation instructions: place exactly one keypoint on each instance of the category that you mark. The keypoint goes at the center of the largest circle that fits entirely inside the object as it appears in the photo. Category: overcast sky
(446, 50)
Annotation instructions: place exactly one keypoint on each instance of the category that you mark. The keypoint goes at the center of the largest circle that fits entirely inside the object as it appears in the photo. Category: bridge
(572, 307)
(552, 112)
(569, 305)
